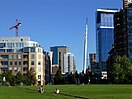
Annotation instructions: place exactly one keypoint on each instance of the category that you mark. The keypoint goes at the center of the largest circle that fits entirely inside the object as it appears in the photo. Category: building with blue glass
(104, 35)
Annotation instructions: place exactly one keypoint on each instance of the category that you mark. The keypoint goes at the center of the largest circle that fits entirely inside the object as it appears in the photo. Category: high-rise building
(126, 2)
(62, 59)
(69, 63)
(104, 35)
(122, 35)
(20, 54)
(48, 67)
(94, 67)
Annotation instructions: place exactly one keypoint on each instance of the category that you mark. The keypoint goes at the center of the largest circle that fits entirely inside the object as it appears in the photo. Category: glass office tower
(128, 31)
(104, 35)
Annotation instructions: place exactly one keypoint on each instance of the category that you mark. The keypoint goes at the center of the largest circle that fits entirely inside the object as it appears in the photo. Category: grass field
(68, 92)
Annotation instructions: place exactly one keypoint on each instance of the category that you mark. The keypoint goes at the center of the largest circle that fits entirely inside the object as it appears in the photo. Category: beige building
(19, 54)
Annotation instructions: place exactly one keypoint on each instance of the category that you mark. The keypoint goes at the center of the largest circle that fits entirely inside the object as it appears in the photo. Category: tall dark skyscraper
(126, 2)
(122, 35)
(104, 35)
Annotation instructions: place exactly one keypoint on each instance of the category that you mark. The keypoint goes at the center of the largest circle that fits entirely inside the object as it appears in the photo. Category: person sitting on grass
(41, 89)
(57, 91)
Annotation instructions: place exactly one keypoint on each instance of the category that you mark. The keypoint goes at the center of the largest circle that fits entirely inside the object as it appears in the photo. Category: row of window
(5, 63)
(21, 50)
(33, 56)
(18, 56)
(129, 11)
(21, 44)
(32, 63)
(17, 69)
(107, 19)
(11, 50)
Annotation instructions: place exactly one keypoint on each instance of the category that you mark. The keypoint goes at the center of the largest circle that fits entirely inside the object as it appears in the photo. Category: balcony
(25, 63)
(4, 64)
(25, 57)
(4, 57)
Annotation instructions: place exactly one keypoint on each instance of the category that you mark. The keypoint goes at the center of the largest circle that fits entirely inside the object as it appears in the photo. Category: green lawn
(68, 92)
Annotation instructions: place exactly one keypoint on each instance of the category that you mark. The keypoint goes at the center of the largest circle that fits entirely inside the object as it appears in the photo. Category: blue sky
(55, 22)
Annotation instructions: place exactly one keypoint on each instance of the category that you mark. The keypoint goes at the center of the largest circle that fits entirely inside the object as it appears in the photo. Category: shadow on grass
(28, 90)
(75, 96)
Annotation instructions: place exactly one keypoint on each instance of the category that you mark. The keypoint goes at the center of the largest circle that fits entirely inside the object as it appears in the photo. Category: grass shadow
(75, 96)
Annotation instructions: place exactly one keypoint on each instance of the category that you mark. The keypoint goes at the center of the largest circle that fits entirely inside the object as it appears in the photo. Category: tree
(30, 78)
(72, 78)
(58, 77)
(1, 79)
(10, 79)
(19, 78)
(121, 70)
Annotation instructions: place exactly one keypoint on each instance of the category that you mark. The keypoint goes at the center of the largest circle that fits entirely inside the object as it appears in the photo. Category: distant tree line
(120, 73)
(72, 78)
(7, 78)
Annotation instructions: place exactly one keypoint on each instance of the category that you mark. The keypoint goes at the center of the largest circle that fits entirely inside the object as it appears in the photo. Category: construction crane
(16, 27)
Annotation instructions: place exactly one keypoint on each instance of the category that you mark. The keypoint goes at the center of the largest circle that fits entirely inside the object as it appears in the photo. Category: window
(10, 62)
(32, 56)
(16, 44)
(39, 69)
(10, 68)
(15, 63)
(2, 50)
(22, 44)
(25, 63)
(39, 76)
(19, 62)
(39, 63)
(4, 63)
(39, 49)
(32, 50)
(33, 44)
(19, 56)
(32, 68)
(129, 11)
(39, 56)
(4, 56)
(25, 69)
(2, 45)
(32, 62)
(19, 44)
(15, 69)
(19, 68)
(15, 56)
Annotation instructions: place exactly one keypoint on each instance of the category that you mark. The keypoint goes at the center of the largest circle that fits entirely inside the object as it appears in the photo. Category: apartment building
(20, 54)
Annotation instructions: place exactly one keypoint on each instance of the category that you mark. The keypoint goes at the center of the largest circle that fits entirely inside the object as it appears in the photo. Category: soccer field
(68, 92)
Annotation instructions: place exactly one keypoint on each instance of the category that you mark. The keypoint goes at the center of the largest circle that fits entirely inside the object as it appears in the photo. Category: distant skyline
(55, 22)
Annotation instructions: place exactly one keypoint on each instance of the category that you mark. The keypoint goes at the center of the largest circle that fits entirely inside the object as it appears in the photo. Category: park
(91, 91)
